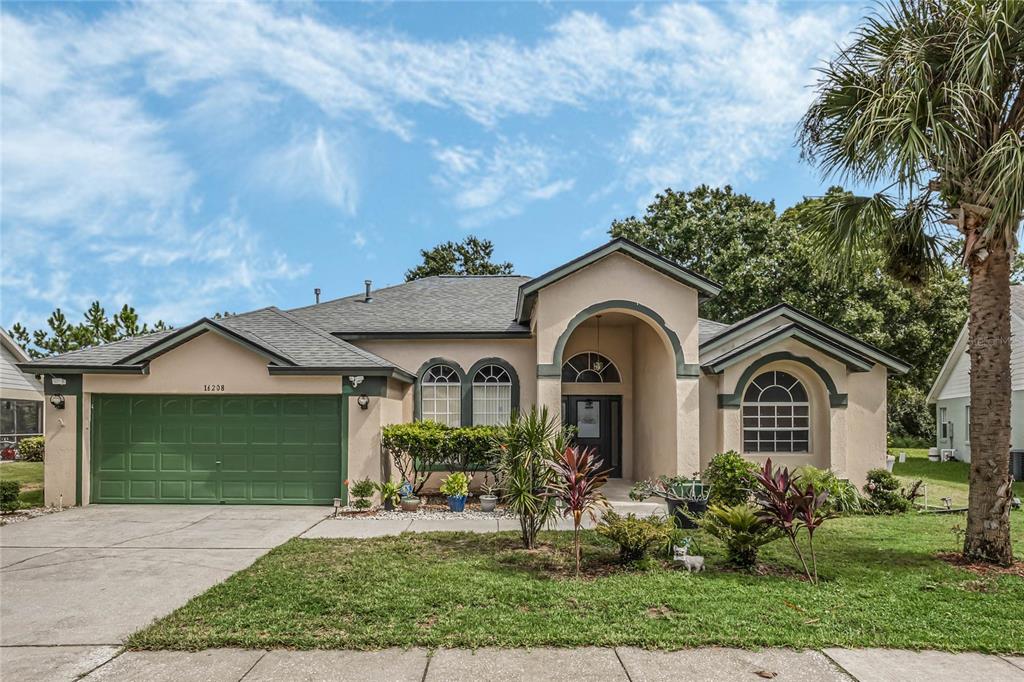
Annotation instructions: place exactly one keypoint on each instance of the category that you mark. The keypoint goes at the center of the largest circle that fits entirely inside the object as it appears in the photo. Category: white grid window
(776, 414)
(492, 396)
(441, 396)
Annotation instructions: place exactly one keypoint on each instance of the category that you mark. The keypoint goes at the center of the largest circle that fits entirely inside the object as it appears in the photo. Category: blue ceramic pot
(457, 503)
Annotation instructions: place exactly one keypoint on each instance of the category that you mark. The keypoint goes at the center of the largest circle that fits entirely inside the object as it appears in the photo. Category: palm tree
(929, 96)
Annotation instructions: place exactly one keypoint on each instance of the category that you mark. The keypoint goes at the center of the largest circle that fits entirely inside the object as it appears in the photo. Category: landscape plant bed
(882, 585)
(434, 506)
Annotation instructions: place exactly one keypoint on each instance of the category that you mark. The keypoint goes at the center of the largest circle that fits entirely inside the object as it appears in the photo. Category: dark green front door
(236, 449)
(598, 425)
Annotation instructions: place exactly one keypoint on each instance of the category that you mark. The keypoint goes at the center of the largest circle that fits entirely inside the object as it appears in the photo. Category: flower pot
(389, 505)
(410, 504)
(457, 503)
(678, 510)
(488, 502)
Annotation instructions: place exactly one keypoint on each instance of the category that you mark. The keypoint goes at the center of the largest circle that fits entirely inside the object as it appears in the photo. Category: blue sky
(188, 159)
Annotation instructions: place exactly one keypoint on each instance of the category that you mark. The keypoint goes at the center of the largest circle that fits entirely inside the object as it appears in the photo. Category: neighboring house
(21, 395)
(951, 393)
(277, 406)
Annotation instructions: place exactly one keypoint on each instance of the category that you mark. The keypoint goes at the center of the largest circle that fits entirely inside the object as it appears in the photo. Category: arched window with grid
(492, 396)
(776, 414)
(441, 395)
(590, 368)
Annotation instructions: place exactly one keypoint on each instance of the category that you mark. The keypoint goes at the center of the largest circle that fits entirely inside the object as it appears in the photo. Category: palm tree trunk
(988, 511)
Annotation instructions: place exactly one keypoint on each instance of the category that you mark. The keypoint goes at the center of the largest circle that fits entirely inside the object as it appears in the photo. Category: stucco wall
(60, 429)
(410, 354)
(656, 423)
(210, 359)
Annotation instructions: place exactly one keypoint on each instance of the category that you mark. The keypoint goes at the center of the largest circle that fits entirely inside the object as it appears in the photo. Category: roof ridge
(327, 335)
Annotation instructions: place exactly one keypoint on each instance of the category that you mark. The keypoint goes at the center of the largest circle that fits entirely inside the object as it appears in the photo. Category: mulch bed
(982, 569)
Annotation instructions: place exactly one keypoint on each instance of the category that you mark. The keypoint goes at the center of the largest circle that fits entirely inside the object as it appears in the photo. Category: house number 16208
(217, 388)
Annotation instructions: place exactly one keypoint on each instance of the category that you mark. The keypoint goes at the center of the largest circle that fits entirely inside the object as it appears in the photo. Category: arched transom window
(441, 391)
(590, 368)
(776, 414)
(492, 395)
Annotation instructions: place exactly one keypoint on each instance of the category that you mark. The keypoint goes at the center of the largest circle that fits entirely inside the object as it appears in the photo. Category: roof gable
(808, 323)
(528, 290)
(832, 347)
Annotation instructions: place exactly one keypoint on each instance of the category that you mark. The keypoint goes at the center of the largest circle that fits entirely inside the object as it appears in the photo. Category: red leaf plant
(790, 507)
(577, 486)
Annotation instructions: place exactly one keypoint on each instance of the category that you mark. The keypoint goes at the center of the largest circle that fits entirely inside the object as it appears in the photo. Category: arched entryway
(618, 370)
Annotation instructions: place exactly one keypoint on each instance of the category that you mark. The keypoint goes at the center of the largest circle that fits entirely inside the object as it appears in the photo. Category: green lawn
(944, 479)
(30, 475)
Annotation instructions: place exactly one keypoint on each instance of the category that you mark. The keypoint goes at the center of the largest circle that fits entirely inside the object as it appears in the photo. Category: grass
(30, 475)
(944, 479)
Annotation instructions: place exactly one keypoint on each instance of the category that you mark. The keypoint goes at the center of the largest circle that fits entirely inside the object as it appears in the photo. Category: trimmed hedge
(418, 448)
(31, 449)
(9, 491)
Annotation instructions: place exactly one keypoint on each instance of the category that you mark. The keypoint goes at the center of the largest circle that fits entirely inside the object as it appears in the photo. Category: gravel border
(26, 514)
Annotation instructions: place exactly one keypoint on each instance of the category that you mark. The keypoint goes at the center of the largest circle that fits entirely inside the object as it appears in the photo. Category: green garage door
(225, 449)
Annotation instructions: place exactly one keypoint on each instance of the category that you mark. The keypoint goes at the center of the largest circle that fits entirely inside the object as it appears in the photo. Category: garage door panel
(229, 449)
(176, 406)
(142, 462)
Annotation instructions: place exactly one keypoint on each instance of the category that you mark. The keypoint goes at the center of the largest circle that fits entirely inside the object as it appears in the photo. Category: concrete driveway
(73, 585)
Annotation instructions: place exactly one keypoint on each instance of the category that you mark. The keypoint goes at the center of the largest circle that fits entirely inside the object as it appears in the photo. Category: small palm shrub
(635, 536)
(362, 491)
(741, 530)
(731, 478)
(886, 493)
(9, 491)
(31, 449)
(389, 491)
(843, 496)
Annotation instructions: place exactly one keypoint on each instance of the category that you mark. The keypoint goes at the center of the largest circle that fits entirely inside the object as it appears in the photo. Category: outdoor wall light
(363, 401)
(57, 401)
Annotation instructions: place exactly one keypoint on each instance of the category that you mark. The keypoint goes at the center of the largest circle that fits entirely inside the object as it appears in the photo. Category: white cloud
(497, 183)
(358, 239)
(312, 164)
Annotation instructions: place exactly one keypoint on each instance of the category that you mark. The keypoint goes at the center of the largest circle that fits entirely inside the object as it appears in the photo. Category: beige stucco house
(279, 406)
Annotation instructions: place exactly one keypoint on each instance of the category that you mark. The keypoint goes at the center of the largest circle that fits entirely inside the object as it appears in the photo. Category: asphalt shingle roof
(447, 304)
(105, 354)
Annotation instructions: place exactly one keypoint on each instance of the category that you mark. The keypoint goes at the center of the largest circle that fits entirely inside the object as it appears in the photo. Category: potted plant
(390, 494)
(455, 487)
(410, 503)
(488, 498)
(686, 498)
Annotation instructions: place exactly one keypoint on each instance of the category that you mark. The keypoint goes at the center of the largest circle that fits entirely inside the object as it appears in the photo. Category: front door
(598, 422)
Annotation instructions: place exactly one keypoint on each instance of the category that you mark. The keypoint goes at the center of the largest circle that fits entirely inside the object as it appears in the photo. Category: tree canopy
(762, 257)
(96, 328)
(471, 256)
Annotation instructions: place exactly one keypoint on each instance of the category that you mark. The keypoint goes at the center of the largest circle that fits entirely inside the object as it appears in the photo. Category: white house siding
(13, 383)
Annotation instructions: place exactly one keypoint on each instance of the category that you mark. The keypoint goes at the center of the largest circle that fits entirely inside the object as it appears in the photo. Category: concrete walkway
(625, 664)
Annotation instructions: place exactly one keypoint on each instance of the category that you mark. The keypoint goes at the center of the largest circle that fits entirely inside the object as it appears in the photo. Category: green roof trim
(812, 324)
(528, 290)
(839, 352)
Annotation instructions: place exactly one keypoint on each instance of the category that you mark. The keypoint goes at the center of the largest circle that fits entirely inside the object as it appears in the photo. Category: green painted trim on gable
(376, 387)
(735, 399)
(705, 287)
(186, 334)
(683, 369)
(853, 361)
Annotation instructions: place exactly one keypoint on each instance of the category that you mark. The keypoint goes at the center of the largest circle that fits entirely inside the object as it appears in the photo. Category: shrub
(886, 494)
(731, 478)
(389, 491)
(635, 536)
(363, 490)
(741, 530)
(31, 449)
(843, 496)
(414, 449)
(470, 448)
(524, 448)
(9, 491)
(455, 485)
